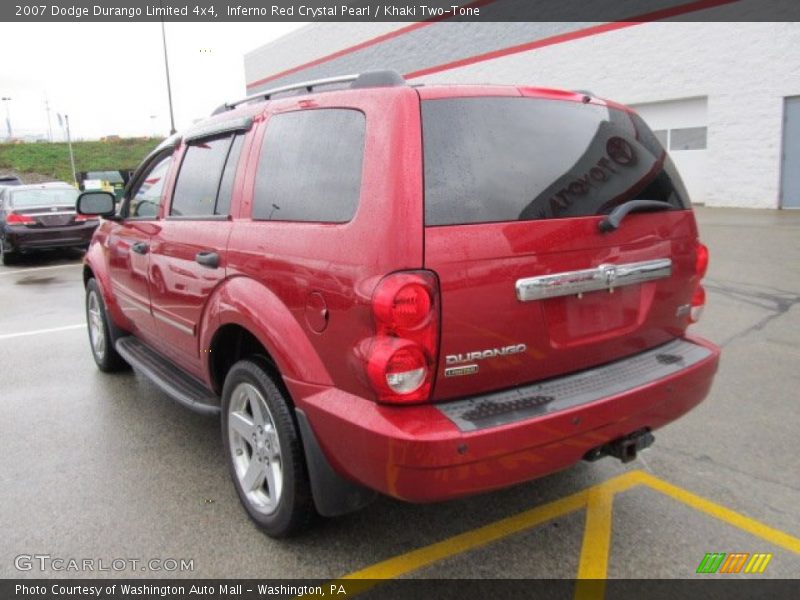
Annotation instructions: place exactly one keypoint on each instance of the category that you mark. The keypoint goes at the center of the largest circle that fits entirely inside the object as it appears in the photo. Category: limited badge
(459, 371)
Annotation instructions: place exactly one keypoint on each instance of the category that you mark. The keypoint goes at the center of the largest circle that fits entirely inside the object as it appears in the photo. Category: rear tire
(100, 339)
(264, 451)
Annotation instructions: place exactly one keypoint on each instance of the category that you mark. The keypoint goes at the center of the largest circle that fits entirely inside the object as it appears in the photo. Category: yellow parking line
(774, 536)
(593, 564)
(597, 535)
(416, 559)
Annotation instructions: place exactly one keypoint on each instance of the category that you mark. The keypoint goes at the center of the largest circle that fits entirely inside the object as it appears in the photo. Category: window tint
(509, 159)
(147, 197)
(228, 175)
(198, 180)
(310, 166)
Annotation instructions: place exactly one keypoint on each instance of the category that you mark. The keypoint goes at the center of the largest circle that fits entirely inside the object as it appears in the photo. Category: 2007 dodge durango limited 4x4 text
(424, 292)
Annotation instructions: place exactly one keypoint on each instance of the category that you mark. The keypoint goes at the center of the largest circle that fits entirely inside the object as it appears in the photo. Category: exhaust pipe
(624, 448)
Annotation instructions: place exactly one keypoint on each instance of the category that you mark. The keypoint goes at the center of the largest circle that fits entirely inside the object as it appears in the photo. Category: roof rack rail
(387, 78)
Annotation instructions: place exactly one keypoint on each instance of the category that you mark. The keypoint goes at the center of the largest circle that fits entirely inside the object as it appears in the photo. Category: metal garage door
(790, 167)
(681, 125)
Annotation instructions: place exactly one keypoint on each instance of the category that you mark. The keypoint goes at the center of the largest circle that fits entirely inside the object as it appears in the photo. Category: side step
(172, 380)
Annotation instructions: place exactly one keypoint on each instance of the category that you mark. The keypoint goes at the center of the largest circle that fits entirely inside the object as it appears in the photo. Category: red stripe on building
(366, 44)
(657, 15)
(573, 35)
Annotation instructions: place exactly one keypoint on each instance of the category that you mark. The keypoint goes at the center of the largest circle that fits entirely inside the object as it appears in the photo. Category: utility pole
(71, 155)
(166, 67)
(49, 125)
(8, 118)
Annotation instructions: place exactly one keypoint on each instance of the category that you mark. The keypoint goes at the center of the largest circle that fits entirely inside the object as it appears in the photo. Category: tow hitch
(624, 448)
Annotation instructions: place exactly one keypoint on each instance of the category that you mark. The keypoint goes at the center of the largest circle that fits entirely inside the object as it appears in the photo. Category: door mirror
(96, 203)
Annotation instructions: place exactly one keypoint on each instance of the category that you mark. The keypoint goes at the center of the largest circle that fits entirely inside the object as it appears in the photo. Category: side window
(146, 199)
(228, 175)
(199, 178)
(310, 166)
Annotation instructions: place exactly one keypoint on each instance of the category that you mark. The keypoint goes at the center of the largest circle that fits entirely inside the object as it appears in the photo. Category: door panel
(129, 245)
(128, 269)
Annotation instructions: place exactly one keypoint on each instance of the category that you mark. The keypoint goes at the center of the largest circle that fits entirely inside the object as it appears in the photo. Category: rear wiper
(612, 221)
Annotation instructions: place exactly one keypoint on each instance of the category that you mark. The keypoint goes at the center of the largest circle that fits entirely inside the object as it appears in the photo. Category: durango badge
(454, 359)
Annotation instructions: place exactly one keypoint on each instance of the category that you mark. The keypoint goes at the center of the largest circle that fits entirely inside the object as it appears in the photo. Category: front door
(129, 245)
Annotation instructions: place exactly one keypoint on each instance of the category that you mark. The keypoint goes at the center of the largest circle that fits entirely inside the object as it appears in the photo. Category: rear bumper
(21, 237)
(419, 454)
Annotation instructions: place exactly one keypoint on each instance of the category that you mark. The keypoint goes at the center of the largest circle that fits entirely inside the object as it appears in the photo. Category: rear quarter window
(310, 166)
(510, 159)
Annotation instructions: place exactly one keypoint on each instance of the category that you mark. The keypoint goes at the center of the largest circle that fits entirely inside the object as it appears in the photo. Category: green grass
(52, 160)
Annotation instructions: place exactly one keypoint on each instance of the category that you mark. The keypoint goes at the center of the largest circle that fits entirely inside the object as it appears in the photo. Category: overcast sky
(109, 77)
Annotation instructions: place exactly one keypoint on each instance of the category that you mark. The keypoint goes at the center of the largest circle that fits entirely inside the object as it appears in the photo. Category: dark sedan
(41, 217)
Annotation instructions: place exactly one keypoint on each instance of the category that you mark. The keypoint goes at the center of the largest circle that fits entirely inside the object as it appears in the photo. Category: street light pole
(71, 155)
(166, 67)
(49, 125)
(6, 100)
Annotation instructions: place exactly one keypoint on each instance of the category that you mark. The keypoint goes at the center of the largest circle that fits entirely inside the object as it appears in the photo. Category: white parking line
(7, 336)
(40, 269)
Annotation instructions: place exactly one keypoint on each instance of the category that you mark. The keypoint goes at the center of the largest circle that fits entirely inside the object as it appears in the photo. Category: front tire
(265, 452)
(100, 340)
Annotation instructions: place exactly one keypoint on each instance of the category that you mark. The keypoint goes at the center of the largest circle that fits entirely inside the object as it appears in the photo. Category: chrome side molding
(603, 277)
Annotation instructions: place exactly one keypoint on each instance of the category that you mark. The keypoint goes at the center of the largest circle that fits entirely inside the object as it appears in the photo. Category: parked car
(110, 181)
(10, 180)
(424, 292)
(41, 217)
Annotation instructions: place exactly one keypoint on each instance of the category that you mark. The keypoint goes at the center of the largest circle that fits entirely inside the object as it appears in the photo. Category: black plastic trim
(215, 129)
(333, 494)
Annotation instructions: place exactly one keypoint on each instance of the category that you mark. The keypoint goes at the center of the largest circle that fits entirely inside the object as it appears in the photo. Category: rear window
(515, 159)
(44, 197)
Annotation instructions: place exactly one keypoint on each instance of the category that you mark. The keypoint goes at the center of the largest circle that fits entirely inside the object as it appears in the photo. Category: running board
(173, 381)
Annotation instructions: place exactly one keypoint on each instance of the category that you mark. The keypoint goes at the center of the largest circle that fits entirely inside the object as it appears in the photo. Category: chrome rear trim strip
(603, 277)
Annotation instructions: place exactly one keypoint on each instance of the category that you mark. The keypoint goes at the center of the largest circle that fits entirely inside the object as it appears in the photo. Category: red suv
(425, 292)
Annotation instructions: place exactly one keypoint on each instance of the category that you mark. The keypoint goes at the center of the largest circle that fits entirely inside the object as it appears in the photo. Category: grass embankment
(52, 160)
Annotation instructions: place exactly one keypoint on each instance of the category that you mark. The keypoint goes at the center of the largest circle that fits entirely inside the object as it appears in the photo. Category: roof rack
(387, 78)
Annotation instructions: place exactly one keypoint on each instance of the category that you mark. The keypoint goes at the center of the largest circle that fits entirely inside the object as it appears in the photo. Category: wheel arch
(246, 316)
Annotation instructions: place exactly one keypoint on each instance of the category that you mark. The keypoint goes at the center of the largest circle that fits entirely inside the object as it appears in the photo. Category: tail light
(84, 218)
(698, 304)
(401, 358)
(701, 262)
(699, 295)
(18, 219)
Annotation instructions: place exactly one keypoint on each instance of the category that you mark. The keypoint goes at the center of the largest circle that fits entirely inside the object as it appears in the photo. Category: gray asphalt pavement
(106, 467)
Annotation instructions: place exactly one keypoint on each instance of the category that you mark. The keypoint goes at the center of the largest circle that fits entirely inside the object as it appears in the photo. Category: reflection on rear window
(45, 197)
(510, 159)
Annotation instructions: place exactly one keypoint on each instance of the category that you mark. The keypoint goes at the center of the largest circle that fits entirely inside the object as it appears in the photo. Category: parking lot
(106, 467)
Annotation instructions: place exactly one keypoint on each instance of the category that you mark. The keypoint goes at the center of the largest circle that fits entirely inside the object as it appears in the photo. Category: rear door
(514, 190)
(188, 258)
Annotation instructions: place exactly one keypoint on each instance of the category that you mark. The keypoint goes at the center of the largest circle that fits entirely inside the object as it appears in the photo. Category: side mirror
(96, 203)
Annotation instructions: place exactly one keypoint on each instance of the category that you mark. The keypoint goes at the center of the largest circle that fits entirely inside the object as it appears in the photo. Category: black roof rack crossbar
(360, 80)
